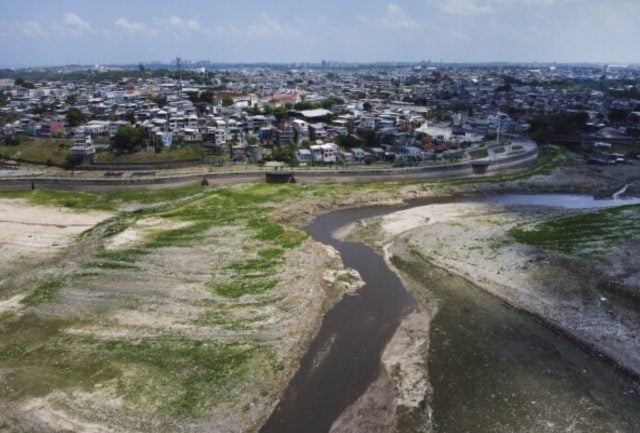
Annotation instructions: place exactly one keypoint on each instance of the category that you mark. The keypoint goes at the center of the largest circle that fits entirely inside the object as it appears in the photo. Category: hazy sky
(117, 31)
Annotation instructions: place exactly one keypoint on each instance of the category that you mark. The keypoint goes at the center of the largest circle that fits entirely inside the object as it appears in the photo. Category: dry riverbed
(592, 293)
(187, 318)
(192, 312)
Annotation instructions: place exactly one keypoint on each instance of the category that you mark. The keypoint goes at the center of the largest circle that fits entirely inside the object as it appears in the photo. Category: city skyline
(36, 33)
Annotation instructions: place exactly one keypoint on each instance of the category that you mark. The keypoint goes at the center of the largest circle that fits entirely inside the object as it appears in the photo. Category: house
(368, 122)
(378, 153)
(82, 144)
(316, 115)
(346, 157)
(317, 131)
(302, 130)
(324, 153)
(358, 154)
(304, 156)
(286, 134)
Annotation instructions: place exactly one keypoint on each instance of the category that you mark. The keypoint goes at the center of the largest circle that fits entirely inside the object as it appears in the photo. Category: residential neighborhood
(317, 115)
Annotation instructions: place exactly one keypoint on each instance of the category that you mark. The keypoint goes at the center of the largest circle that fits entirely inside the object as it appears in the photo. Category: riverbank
(208, 273)
(592, 300)
(156, 313)
(445, 249)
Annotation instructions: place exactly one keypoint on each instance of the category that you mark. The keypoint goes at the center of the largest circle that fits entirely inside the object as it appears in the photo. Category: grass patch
(109, 265)
(241, 287)
(38, 151)
(185, 153)
(102, 201)
(178, 377)
(479, 154)
(586, 235)
(550, 158)
(43, 293)
(267, 230)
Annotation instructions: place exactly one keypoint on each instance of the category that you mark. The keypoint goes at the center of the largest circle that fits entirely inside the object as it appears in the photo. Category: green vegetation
(170, 373)
(185, 153)
(75, 117)
(478, 154)
(129, 139)
(104, 201)
(585, 235)
(545, 127)
(240, 288)
(549, 159)
(173, 376)
(38, 151)
(44, 292)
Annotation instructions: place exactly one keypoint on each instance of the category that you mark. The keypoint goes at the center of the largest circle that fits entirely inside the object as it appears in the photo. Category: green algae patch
(585, 235)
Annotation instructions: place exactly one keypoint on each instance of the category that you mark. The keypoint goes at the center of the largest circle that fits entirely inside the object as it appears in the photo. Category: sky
(62, 32)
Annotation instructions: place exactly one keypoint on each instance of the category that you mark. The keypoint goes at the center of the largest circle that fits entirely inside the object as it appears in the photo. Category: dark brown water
(493, 369)
(344, 358)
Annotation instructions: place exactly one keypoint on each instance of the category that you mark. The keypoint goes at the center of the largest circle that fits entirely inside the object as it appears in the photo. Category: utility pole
(179, 64)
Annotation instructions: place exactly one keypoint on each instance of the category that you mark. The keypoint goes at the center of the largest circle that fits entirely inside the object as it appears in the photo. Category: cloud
(397, 18)
(475, 7)
(266, 26)
(466, 7)
(129, 27)
(184, 24)
(74, 25)
(28, 29)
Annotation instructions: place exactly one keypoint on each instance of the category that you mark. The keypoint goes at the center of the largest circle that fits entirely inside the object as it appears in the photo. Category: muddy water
(344, 358)
(493, 369)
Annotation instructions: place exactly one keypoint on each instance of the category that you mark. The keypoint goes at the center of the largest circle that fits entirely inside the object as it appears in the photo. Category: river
(492, 368)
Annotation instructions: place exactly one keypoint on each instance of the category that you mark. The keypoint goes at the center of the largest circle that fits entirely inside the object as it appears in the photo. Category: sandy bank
(470, 240)
(28, 230)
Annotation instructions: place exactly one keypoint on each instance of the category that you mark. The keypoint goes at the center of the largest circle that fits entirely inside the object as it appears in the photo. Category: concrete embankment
(301, 175)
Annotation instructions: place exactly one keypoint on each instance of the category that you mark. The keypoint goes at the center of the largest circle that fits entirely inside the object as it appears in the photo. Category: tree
(367, 106)
(130, 117)
(369, 137)
(304, 105)
(70, 99)
(348, 141)
(545, 127)
(22, 83)
(75, 117)
(227, 101)
(11, 141)
(617, 115)
(330, 102)
(286, 154)
(160, 100)
(280, 112)
(129, 139)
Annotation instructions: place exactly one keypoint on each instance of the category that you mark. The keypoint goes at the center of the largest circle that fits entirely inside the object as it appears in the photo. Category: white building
(325, 153)
(82, 144)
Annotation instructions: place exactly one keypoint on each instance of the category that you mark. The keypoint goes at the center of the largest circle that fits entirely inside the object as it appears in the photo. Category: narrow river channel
(492, 368)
